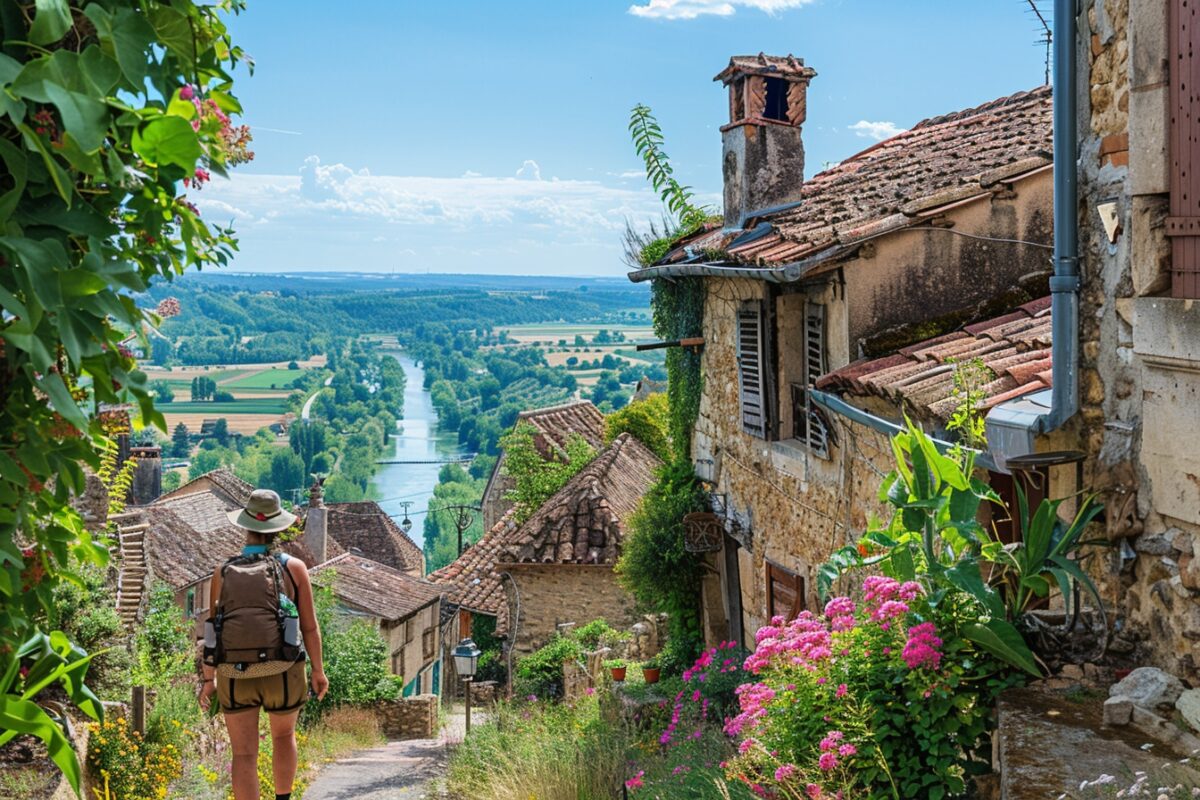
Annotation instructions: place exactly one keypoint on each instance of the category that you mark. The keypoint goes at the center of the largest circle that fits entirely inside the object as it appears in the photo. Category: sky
(490, 136)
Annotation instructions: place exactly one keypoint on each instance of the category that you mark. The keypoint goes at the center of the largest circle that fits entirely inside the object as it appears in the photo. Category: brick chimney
(147, 475)
(763, 156)
(316, 522)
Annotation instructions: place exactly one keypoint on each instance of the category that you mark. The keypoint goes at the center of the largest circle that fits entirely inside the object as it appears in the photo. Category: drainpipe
(1064, 285)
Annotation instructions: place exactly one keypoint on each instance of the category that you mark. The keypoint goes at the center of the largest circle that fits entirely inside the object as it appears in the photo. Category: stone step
(132, 529)
(124, 515)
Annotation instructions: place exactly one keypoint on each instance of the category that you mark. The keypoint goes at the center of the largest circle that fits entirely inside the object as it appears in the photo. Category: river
(417, 440)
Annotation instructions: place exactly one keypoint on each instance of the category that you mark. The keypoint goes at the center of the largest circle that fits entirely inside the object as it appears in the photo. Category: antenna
(1045, 35)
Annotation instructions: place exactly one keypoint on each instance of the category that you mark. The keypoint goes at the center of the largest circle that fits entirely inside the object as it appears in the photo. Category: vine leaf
(52, 21)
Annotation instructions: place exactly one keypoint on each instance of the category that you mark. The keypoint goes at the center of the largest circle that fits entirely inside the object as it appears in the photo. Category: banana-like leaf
(25, 716)
(1003, 641)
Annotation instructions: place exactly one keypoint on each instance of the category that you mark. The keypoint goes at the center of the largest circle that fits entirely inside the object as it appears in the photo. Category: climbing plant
(111, 112)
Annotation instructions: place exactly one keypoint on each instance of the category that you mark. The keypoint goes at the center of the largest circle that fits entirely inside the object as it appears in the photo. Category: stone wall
(554, 594)
(409, 717)
(1140, 350)
(792, 508)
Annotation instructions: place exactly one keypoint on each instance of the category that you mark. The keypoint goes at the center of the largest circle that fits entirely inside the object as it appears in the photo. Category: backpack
(254, 629)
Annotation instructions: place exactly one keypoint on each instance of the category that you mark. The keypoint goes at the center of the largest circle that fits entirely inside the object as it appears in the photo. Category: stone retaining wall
(409, 717)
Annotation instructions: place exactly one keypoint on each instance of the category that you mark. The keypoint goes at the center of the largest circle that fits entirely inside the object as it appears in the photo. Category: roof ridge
(560, 407)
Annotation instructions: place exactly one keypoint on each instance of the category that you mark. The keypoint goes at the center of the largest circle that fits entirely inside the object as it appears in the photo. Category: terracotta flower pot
(650, 674)
(618, 673)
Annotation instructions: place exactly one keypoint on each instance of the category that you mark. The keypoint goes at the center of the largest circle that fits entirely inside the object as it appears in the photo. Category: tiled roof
(472, 580)
(583, 522)
(190, 534)
(556, 424)
(898, 183)
(367, 528)
(1015, 347)
(762, 64)
(232, 488)
(376, 588)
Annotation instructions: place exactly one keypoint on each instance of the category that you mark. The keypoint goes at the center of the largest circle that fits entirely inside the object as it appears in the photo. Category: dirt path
(396, 771)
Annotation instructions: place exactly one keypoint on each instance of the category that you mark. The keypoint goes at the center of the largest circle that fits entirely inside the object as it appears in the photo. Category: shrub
(540, 673)
(646, 420)
(163, 647)
(535, 476)
(596, 634)
(870, 699)
(356, 664)
(126, 765)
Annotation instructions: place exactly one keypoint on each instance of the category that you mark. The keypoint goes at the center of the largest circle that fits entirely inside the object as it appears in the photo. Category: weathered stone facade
(548, 595)
(409, 717)
(1140, 348)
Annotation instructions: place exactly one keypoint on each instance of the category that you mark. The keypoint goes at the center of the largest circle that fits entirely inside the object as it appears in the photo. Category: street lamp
(407, 523)
(466, 658)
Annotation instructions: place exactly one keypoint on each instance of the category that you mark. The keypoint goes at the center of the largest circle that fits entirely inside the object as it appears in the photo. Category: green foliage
(678, 310)
(967, 420)
(934, 535)
(181, 443)
(163, 393)
(591, 634)
(86, 612)
(163, 647)
(648, 141)
(455, 487)
(657, 570)
(536, 476)
(356, 658)
(40, 662)
(646, 420)
(541, 672)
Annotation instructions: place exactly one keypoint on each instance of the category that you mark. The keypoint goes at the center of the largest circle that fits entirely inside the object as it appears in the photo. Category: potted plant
(651, 670)
(616, 667)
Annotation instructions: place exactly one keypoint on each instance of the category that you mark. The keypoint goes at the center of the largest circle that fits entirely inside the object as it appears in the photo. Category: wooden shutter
(1183, 224)
(808, 423)
(751, 367)
(785, 592)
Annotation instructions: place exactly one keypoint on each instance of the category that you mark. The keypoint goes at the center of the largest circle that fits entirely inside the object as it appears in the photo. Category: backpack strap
(284, 558)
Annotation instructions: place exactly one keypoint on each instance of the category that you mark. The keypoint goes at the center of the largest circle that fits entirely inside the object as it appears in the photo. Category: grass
(249, 405)
(28, 782)
(267, 379)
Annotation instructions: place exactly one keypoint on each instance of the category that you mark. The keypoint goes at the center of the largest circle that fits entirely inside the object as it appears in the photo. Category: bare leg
(283, 743)
(243, 740)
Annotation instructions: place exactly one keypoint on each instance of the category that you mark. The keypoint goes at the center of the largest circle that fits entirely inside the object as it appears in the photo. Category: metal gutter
(837, 405)
(1064, 285)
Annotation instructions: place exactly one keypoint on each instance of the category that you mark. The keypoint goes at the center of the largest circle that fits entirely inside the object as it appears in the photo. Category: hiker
(253, 653)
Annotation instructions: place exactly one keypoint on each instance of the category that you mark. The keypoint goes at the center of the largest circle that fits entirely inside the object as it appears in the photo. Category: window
(809, 423)
(1183, 224)
(785, 592)
(398, 663)
(777, 99)
(189, 603)
(428, 644)
(752, 369)
(409, 630)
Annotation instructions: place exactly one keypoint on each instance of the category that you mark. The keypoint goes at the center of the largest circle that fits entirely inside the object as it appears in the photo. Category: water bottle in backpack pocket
(291, 621)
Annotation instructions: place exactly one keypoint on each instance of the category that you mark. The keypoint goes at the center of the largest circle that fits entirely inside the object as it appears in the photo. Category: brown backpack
(254, 628)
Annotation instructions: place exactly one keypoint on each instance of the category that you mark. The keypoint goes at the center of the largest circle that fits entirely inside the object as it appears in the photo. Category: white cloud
(690, 9)
(876, 130)
(334, 216)
(529, 171)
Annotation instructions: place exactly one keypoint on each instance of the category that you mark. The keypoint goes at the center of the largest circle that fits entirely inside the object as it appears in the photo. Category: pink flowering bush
(871, 698)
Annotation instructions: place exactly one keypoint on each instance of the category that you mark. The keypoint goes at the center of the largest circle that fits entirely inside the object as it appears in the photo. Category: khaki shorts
(275, 694)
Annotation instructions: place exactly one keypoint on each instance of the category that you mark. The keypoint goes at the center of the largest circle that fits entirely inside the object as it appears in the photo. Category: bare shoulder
(297, 567)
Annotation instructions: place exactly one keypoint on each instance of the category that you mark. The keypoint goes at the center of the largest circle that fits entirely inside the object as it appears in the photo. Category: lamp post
(466, 658)
(407, 523)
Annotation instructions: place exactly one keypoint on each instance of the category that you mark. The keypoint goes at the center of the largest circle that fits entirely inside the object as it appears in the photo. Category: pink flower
(784, 772)
(827, 761)
(636, 781)
(847, 750)
(923, 647)
(187, 93)
(589, 691)
(841, 690)
(813, 791)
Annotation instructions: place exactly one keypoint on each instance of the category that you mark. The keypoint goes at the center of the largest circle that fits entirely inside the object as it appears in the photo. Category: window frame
(775, 573)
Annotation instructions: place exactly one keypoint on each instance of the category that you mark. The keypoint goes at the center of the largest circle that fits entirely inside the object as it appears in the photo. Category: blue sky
(490, 136)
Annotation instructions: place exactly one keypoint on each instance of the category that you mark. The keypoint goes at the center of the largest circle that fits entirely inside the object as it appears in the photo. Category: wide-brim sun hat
(263, 513)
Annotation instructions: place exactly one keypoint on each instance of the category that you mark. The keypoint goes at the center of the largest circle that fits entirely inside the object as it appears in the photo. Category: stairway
(131, 576)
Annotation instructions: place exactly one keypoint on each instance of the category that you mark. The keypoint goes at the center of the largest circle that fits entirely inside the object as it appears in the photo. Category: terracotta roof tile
(472, 580)
(1016, 347)
(366, 528)
(557, 423)
(377, 588)
(899, 182)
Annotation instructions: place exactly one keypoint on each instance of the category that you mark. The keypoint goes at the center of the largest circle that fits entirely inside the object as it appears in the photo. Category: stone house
(938, 227)
(557, 566)
(406, 609)
(1138, 358)
(554, 425)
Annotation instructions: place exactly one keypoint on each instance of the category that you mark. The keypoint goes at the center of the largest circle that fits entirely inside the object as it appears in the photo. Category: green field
(253, 405)
(549, 330)
(281, 378)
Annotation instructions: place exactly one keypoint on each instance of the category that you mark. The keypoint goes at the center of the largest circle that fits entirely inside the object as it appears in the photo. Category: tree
(579, 340)
(287, 472)
(161, 350)
(339, 489)
(220, 432)
(172, 481)
(107, 108)
(163, 393)
(536, 476)
(203, 462)
(181, 443)
(222, 396)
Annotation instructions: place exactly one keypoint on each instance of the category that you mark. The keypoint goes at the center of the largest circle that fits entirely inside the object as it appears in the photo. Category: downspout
(1064, 284)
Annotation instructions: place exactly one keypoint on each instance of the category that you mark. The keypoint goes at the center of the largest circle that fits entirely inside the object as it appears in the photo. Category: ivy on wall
(678, 308)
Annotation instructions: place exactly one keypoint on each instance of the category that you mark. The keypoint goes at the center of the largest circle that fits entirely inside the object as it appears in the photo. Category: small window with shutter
(785, 592)
(751, 355)
(809, 423)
